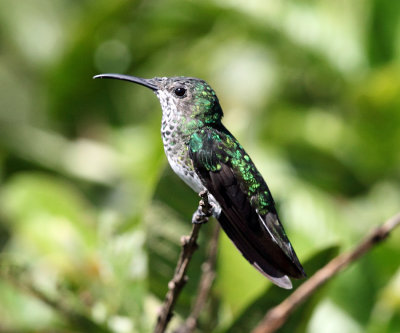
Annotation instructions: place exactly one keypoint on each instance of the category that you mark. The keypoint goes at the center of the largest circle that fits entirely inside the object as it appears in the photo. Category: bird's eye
(180, 91)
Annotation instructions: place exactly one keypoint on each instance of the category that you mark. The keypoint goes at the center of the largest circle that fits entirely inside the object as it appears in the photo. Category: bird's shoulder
(218, 151)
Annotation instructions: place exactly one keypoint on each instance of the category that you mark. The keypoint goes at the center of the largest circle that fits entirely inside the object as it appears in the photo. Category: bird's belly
(184, 170)
(182, 166)
(180, 162)
(191, 179)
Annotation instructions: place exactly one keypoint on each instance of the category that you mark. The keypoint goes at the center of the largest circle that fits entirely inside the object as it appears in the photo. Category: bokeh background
(90, 213)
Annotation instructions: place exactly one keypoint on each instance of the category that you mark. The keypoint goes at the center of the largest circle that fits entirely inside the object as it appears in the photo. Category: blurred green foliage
(91, 215)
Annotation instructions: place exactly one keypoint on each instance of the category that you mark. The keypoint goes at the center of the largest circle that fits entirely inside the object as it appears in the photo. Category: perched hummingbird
(206, 156)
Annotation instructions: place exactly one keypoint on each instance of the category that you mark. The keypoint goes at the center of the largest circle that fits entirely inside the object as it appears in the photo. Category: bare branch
(278, 315)
(189, 246)
(206, 281)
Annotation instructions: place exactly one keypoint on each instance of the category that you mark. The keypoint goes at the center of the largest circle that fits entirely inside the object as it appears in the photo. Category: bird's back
(248, 213)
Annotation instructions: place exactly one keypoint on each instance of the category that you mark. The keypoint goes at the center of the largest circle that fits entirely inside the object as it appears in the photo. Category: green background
(90, 213)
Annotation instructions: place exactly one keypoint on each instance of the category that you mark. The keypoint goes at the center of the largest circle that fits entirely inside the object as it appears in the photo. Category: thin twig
(206, 281)
(278, 315)
(179, 279)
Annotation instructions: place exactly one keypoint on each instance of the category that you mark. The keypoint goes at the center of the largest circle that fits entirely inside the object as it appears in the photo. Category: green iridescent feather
(226, 149)
(248, 208)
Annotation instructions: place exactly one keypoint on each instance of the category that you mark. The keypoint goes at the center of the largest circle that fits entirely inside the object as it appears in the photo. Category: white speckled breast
(175, 144)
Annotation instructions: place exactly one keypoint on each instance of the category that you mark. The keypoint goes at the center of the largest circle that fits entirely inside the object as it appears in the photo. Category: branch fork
(189, 246)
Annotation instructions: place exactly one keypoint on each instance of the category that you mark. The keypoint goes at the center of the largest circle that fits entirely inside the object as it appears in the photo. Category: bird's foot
(199, 217)
(204, 211)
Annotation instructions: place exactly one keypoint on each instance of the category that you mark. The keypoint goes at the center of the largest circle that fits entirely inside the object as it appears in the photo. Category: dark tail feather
(257, 253)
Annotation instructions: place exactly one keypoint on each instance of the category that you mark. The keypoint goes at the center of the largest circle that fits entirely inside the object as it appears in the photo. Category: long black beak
(149, 83)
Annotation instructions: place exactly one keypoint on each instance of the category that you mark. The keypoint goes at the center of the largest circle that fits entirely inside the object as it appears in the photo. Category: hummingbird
(207, 157)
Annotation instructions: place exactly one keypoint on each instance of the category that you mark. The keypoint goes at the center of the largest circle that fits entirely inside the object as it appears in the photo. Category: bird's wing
(248, 214)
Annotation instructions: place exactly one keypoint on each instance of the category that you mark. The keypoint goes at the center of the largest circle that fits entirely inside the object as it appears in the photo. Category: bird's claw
(199, 216)
(204, 211)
